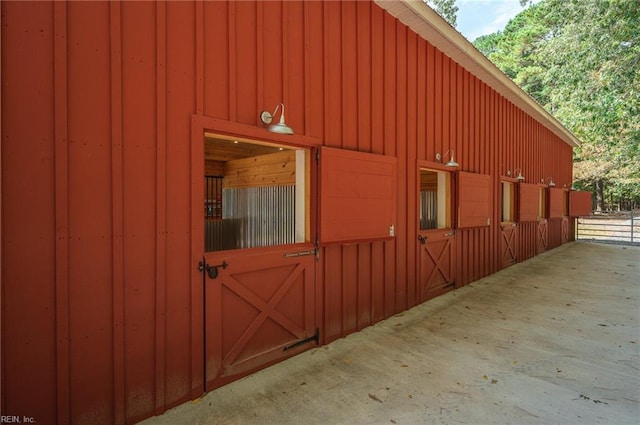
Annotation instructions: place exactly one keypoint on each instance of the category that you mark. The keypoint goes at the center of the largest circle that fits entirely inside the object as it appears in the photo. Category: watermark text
(14, 419)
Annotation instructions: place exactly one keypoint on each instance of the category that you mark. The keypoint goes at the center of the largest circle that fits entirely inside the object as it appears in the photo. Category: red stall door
(509, 244)
(437, 267)
(436, 237)
(257, 263)
(508, 226)
(543, 235)
(259, 309)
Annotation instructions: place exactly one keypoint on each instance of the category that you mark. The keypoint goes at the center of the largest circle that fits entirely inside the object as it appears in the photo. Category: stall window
(508, 202)
(475, 202)
(542, 202)
(255, 194)
(528, 195)
(580, 203)
(435, 200)
(357, 196)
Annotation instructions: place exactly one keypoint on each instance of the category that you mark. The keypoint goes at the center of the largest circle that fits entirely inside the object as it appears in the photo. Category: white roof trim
(431, 27)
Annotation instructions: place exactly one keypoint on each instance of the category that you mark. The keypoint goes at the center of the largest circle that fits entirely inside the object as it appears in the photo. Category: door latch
(300, 254)
(422, 239)
(212, 271)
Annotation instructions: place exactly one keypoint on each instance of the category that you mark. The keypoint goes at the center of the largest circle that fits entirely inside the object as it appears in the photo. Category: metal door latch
(212, 271)
(422, 239)
(300, 254)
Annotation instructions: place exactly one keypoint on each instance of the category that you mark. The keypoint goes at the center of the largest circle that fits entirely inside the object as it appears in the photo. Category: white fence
(621, 228)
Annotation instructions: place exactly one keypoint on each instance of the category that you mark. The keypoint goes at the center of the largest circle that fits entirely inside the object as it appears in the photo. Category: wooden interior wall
(96, 127)
(429, 181)
(275, 169)
(213, 168)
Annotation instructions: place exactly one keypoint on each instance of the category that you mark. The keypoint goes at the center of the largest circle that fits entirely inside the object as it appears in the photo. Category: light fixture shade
(520, 177)
(550, 184)
(452, 162)
(281, 127)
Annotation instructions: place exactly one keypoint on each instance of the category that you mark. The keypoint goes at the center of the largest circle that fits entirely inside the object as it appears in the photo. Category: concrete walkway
(553, 340)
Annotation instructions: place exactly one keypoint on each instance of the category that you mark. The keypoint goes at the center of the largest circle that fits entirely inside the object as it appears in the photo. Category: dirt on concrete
(553, 340)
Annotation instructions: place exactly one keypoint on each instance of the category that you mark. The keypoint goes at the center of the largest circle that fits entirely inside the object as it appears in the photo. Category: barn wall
(28, 251)
(101, 323)
(85, 153)
(397, 95)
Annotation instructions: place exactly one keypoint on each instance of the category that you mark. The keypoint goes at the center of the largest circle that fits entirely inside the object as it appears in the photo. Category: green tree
(516, 51)
(580, 59)
(445, 8)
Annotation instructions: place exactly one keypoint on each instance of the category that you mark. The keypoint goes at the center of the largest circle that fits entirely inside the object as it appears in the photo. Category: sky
(482, 17)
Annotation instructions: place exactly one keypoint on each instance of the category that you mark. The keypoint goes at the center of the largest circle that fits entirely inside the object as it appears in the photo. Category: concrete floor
(553, 340)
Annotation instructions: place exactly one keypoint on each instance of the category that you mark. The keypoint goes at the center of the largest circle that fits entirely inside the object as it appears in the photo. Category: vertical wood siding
(96, 129)
(29, 225)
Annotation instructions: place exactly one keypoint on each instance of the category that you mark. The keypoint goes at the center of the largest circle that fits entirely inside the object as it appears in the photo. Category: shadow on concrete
(553, 340)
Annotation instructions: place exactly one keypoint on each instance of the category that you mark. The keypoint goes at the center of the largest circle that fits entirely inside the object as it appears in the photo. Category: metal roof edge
(430, 26)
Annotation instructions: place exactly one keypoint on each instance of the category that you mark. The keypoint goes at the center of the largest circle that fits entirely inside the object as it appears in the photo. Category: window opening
(435, 211)
(212, 212)
(256, 194)
(213, 197)
(542, 202)
(508, 201)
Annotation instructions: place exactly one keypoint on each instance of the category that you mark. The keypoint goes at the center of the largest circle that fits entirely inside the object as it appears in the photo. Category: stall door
(437, 268)
(508, 226)
(509, 244)
(566, 230)
(542, 235)
(257, 263)
(566, 225)
(436, 237)
(259, 308)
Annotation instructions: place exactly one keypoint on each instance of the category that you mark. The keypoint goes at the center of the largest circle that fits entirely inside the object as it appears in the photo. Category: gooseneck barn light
(452, 162)
(281, 127)
(519, 177)
(550, 180)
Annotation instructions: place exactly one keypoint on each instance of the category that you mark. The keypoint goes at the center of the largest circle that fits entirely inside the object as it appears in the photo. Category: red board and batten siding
(96, 128)
(89, 146)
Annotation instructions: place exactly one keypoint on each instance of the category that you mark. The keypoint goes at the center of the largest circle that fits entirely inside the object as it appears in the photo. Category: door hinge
(315, 337)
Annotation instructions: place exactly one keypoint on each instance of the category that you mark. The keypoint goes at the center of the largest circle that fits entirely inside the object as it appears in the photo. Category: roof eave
(430, 26)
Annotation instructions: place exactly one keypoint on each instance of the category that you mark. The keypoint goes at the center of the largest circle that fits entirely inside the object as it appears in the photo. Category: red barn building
(160, 238)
